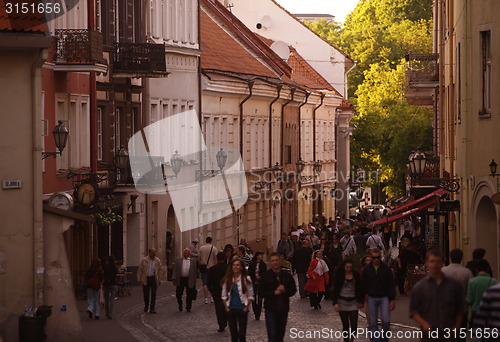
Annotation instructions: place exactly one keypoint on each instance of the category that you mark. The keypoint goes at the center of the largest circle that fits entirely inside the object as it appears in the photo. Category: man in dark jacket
(215, 275)
(185, 272)
(276, 287)
(380, 288)
(301, 259)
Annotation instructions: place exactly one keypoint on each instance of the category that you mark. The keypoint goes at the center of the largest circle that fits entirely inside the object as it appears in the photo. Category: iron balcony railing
(140, 58)
(78, 47)
(423, 68)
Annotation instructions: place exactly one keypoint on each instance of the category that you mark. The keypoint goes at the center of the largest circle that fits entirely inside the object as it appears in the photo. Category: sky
(339, 8)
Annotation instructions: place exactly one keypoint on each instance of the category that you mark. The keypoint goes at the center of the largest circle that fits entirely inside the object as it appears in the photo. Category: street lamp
(60, 133)
(176, 161)
(277, 170)
(300, 166)
(317, 167)
(418, 161)
(417, 167)
(121, 158)
(221, 158)
(493, 168)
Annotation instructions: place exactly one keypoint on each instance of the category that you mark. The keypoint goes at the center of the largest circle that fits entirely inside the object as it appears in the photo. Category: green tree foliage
(379, 34)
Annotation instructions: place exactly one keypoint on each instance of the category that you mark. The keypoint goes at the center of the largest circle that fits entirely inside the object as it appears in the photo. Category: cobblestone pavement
(200, 324)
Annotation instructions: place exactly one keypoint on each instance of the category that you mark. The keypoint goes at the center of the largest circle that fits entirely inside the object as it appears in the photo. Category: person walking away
(207, 259)
(347, 297)
(93, 278)
(461, 274)
(237, 295)
(185, 278)
(150, 275)
(276, 287)
(387, 236)
(285, 246)
(214, 280)
(349, 245)
(477, 254)
(488, 314)
(110, 285)
(302, 258)
(375, 241)
(318, 279)
(378, 283)
(437, 301)
(256, 269)
(478, 285)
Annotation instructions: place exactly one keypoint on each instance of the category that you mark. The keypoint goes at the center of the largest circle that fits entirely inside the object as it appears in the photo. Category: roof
(32, 23)
(221, 51)
(302, 72)
(298, 20)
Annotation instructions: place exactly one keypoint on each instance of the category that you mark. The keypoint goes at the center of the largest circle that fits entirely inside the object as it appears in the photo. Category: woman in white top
(237, 295)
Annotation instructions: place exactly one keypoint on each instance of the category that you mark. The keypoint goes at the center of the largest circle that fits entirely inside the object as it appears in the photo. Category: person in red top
(318, 279)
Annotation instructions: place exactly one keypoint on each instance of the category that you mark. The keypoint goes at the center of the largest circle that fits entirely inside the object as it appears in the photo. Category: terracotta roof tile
(221, 51)
(21, 22)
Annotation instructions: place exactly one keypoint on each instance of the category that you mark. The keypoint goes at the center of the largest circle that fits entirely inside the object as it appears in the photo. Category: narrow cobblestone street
(200, 325)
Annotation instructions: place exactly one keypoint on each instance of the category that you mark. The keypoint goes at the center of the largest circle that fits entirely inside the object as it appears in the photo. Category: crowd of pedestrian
(346, 263)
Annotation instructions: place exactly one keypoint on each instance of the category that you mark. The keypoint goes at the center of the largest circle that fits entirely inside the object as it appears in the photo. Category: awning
(407, 213)
(438, 193)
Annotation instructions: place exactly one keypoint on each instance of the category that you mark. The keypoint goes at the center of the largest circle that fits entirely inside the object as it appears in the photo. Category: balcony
(422, 78)
(79, 50)
(139, 60)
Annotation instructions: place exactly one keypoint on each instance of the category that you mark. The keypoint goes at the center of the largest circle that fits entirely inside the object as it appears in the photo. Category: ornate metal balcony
(79, 50)
(424, 69)
(139, 60)
(422, 78)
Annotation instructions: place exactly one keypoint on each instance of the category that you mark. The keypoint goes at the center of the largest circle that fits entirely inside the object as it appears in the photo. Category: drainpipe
(346, 88)
(250, 93)
(315, 207)
(282, 139)
(300, 126)
(278, 94)
(250, 89)
(36, 174)
(92, 97)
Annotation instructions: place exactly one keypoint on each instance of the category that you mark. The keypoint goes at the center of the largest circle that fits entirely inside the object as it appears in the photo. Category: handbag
(203, 268)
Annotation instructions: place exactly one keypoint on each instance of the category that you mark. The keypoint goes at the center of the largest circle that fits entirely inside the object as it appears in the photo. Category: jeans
(109, 299)
(180, 290)
(93, 301)
(151, 286)
(237, 320)
(349, 317)
(220, 309)
(302, 277)
(276, 325)
(257, 302)
(374, 306)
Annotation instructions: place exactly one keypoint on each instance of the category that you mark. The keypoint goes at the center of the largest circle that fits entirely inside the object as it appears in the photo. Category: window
(99, 133)
(288, 154)
(486, 73)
